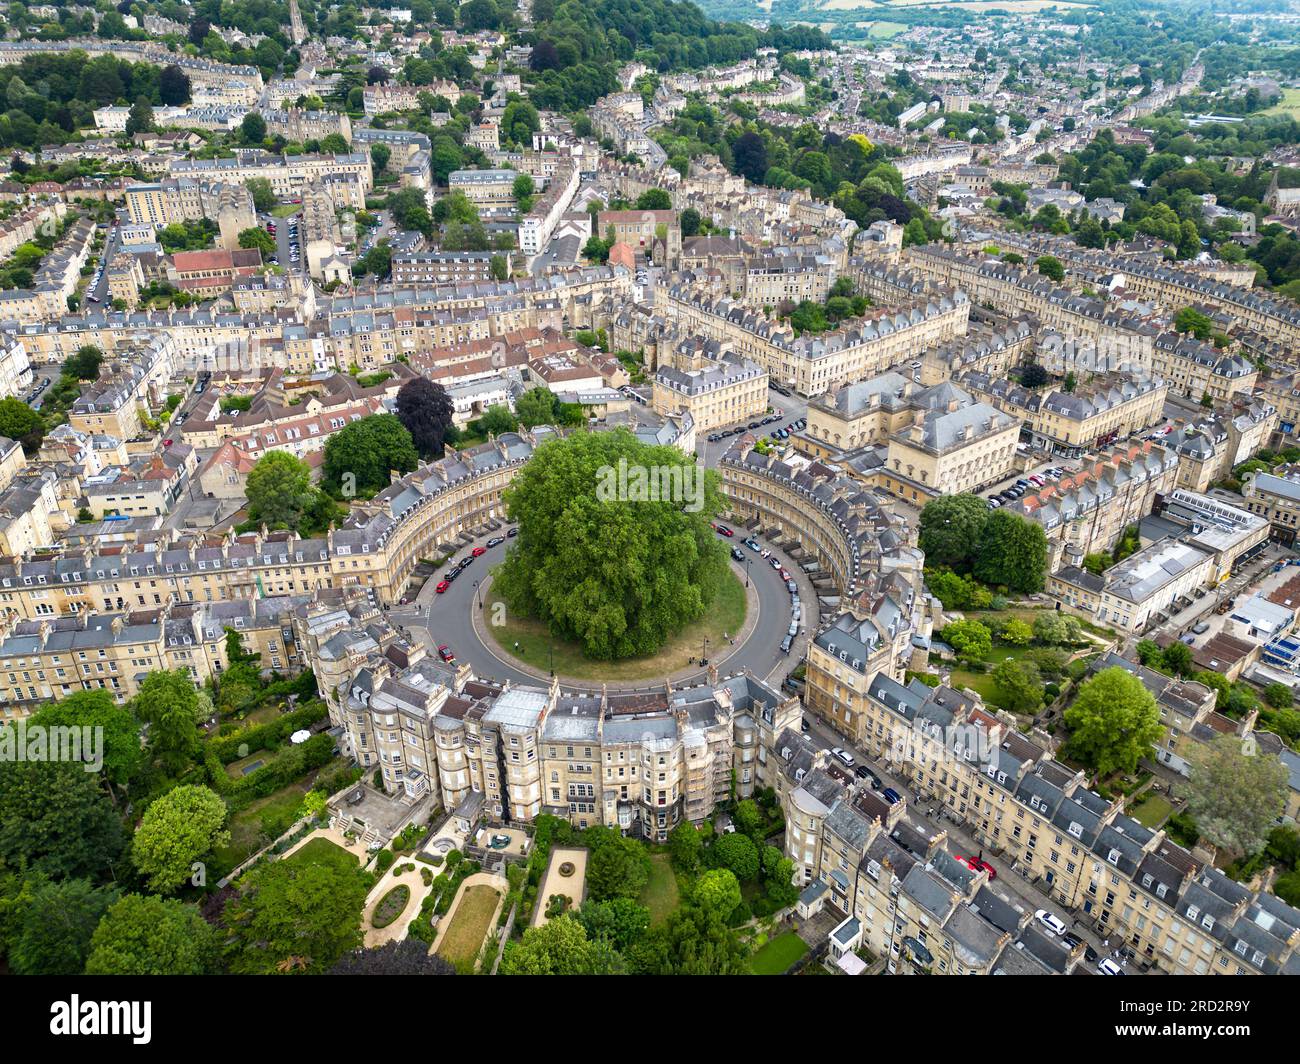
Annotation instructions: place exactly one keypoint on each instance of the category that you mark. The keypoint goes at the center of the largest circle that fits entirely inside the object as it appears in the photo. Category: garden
(463, 940)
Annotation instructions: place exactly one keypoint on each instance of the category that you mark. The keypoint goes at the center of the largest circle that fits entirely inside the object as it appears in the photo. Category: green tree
(55, 819)
(1278, 695)
(618, 921)
(257, 237)
(295, 917)
(717, 893)
(84, 365)
(949, 529)
(1017, 633)
(1050, 266)
(599, 564)
(1177, 658)
(654, 199)
(559, 947)
(140, 118)
(685, 847)
(183, 826)
(749, 819)
(1019, 685)
(537, 406)
(1234, 794)
(971, 639)
(18, 420)
(1012, 551)
(1113, 721)
(153, 936)
(96, 709)
(618, 868)
(737, 853)
(169, 704)
(497, 420)
(263, 196)
(279, 490)
(1191, 320)
(252, 130)
(53, 923)
(363, 454)
(690, 222)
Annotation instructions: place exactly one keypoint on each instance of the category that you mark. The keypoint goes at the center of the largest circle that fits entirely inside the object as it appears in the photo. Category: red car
(976, 865)
(723, 530)
(477, 551)
(442, 586)
(444, 652)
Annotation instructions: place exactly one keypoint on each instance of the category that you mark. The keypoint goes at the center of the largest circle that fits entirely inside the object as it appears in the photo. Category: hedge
(263, 736)
(391, 906)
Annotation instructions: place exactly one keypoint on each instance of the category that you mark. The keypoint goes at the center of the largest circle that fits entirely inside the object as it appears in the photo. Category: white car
(1050, 922)
(844, 756)
(1108, 967)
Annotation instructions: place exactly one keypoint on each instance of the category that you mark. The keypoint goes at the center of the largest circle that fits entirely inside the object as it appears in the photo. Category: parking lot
(1019, 485)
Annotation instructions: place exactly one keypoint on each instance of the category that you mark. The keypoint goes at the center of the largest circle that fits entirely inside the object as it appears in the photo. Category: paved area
(396, 931)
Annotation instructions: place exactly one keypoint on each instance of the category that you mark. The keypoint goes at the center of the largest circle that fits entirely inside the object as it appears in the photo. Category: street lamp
(550, 657)
(704, 652)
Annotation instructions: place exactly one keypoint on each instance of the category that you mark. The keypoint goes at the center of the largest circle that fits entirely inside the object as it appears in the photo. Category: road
(282, 241)
(100, 289)
(445, 618)
(791, 408)
(1009, 884)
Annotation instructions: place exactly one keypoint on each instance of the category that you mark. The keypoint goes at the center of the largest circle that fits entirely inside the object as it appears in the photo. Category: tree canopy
(600, 566)
(1113, 721)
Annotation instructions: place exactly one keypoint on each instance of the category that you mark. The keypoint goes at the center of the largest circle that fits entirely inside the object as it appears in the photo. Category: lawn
(461, 942)
(659, 895)
(777, 956)
(1151, 812)
(1288, 105)
(246, 825)
(536, 645)
(322, 851)
(283, 210)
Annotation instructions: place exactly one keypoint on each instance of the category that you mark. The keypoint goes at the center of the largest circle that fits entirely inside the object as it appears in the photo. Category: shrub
(384, 860)
(391, 905)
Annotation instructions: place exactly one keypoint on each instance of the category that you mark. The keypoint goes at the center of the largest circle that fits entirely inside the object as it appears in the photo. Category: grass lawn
(283, 210)
(536, 643)
(885, 30)
(778, 955)
(461, 942)
(246, 825)
(659, 894)
(1288, 105)
(322, 851)
(1151, 812)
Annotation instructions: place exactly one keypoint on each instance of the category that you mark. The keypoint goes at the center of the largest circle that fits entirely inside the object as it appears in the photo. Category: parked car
(791, 586)
(1050, 922)
(862, 772)
(775, 563)
(511, 533)
(752, 544)
(804, 726)
(786, 643)
(844, 756)
(1072, 940)
(444, 652)
(478, 552)
(738, 554)
(1200, 628)
(442, 586)
(723, 530)
(891, 796)
(1108, 967)
(496, 541)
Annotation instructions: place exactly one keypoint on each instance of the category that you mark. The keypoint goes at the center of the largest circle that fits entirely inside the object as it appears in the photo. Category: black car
(512, 533)
(738, 554)
(1072, 940)
(496, 541)
(804, 726)
(755, 424)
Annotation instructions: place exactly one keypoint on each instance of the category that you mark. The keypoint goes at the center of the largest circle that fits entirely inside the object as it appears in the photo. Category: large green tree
(1113, 721)
(143, 935)
(738, 854)
(169, 704)
(117, 725)
(362, 455)
(617, 868)
(1019, 685)
(615, 548)
(295, 917)
(1235, 794)
(560, 947)
(950, 528)
(181, 827)
(55, 818)
(279, 490)
(52, 923)
(1012, 551)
